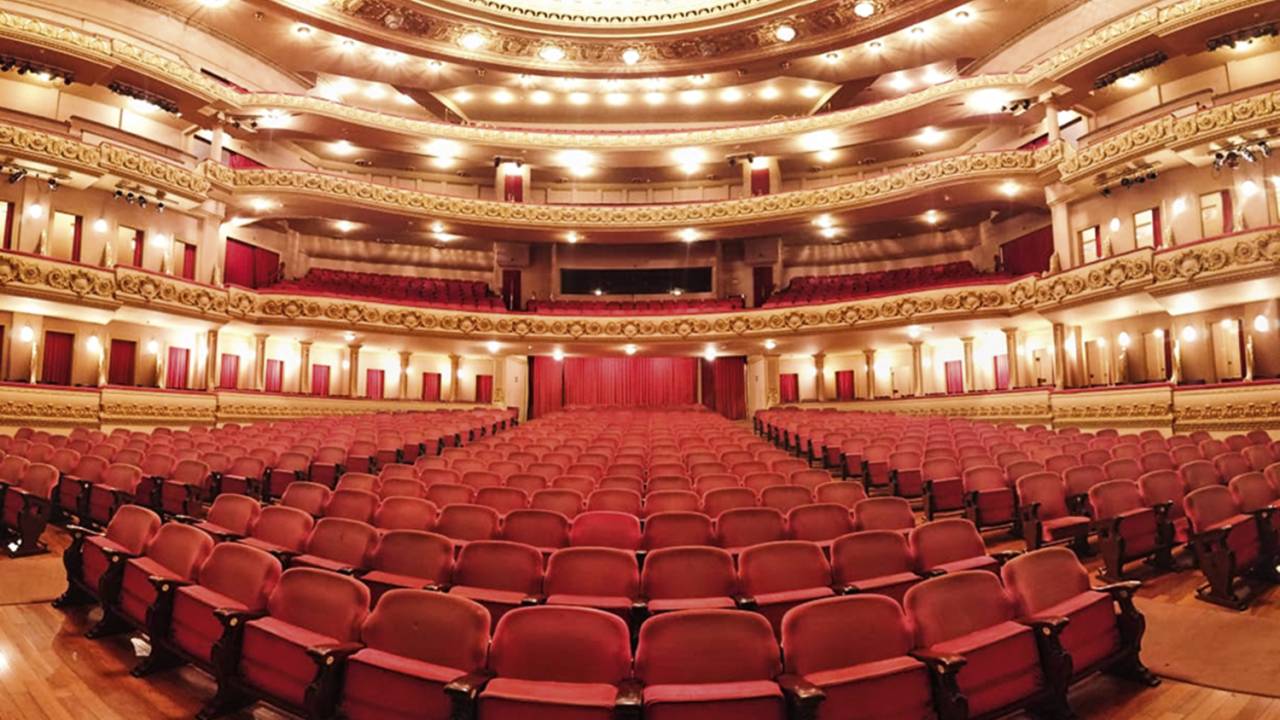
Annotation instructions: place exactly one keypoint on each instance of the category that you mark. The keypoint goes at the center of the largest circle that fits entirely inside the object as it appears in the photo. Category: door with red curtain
(431, 386)
(122, 363)
(546, 386)
(513, 187)
(58, 349)
(844, 385)
(320, 380)
(176, 369)
(1000, 365)
(373, 379)
(761, 284)
(238, 264)
(954, 370)
(229, 371)
(484, 389)
(273, 381)
(724, 387)
(789, 387)
(139, 242)
(188, 261)
(511, 289)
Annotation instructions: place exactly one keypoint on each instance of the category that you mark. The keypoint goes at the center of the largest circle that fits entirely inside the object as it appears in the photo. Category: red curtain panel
(760, 181)
(77, 239)
(789, 387)
(58, 349)
(273, 381)
(707, 368)
(1000, 364)
(266, 265)
(546, 386)
(511, 289)
(724, 386)
(229, 371)
(1029, 253)
(8, 226)
(431, 386)
(238, 265)
(139, 242)
(513, 187)
(762, 283)
(122, 363)
(844, 385)
(188, 261)
(320, 380)
(1228, 213)
(631, 381)
(484, 389)
(175, 377)
(954, 370)
(373, 387)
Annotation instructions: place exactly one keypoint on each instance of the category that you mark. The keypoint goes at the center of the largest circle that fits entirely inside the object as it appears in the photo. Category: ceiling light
(689, 159)
(597, 292)
(1179, 205)
(302, 30)
(100, 225)
(434, 65)
(820, 140)
(824, 221)
(930, 136)
(473, 41)
(918, 30)
(1114, 225)
(437, 227)
(1261, 323)
(1227, 324)
(770, 344)
(540, 97)
(374, 91)
(655, 83)
(655, 98)
(213, 3)
(387, 57)
(875, 46)
(931, 217)
(829, 233)
(692, 97)
(442, 149)
(461, 96)
(261, 204)
(864, 9)
(36, 210)
(579, 98)
(689, 235)
(700, 79)
(770, 92)
(348, 336)
(631, 56)
(731, 94)
(579, 162)
(934, 77)
(566, 83)
(629, 349)
(617, 99)
(571, 237)
(342, 147)
(785, 33)
(1248, 188)
(832, 57)
(493, 346)
(900, 82)
(551, 53)
(962, 16)
(273, 118)
(345, 226)
(347, 44)
(1189, 333)
(557, 355)
(1010, 188)
(502, 97)
(913, 332)
(826, 156)
(402, 99)
(810, 91)
(1131, 80)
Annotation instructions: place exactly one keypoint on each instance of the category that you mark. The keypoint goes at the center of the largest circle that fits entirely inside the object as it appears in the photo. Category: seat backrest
(561, 644)
(671, 529)
(502, 499)
(431, 476)
(941, 468)
(241, 572)
(323, 602)
(946, 540)
(819, 522)
(869, 554)
(688, 572)
(1252, 492)
(706, 646)
(595, 571)
(539, 528)
(883, 513)
(468, 522)
(566, 502)
(415, 553)
(785, 497)
(352, 504)
(437, 628)
(342, 540)
(1043, 578)
(1209, 505)
(1046, 490)
(180, 548)
(132, 528)
(956, 604)
(1230, 464)
(12, 468)
(603, 528)
(847, 494)
(744, 527)
(615, 499)
(1159, 460)
(308, 496)
(1161, 486)
(718, 501)
(1122, 469)
(984, 477)
(237, 513)
(40, 479)
(843, 632)
(121, 476)
(284, 526)
(481, 478)
(784, 565)
(499, 565)
(405, 513)
(1114, 497)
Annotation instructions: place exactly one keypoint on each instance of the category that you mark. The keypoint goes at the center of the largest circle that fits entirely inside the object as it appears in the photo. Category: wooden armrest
(1004, 556)
(746, 602)
(531, 600)
(79, 532)
(800, 690)
(940, 663)
(185, 519)
(232, 617)
(325, 655)
(1051, 625)
(116, 556)
(1120, 590)
(164, 585)
(630, 696)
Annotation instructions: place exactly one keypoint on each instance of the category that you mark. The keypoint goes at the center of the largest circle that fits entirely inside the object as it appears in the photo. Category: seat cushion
(94, 561)
(894, 586)
(136, 592)
(195, 629)
(657, 605)
(995, 506)
(1091, 636)
(274, 658)
(891, 688)
(514, 699)
(1064, 527)
(381, 686)
(321, 563)
(1003, 666)
(977, 562)
(747, 700)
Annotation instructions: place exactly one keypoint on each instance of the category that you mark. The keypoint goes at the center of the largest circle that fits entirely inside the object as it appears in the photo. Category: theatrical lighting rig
(1251, 152)
(1128, 180)
(131, 195)
(143, 96)
(1243, 36)
(1143, 63)
(42, 71)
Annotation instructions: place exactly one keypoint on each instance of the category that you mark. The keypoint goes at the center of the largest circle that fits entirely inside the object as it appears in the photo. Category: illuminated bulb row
(613, 99)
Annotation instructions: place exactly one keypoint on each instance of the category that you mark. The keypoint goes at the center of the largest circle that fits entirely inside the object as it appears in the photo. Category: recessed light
(785, 33)
(579, 98)
(900, 82)
(473, 41)
(930, 136)
(213, 3)
(571, 237)
(258, 204)
(829, 233)
(540, 97)
(345, 226)
(387, 57)
(689, 235)
(629, 349)
(100, 225)
(616, 99)
(493, 346)
(437, 227)
(731, 94)
(343, 147)
(347, 44)
(810, 91)
(374, 91)
(918, 30)
(631, 56)
(875, 45)
(655, 98)
(832, 57)
(1131, 80)
(770, 344)
(692, 97)
(824, 221)
(1010, 188)
(551, 53)
(962, 16)
(302, 30)
(864, 9)
(819, 140)
(700, 79)
(462, 96)
(434, 65)
(770, 92)
(931, 217)
(826, 156)
(503, 97)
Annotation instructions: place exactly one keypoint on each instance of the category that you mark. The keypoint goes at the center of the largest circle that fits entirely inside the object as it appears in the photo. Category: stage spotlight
(16, 176)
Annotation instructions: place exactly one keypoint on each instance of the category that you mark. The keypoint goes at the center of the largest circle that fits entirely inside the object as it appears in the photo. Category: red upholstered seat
(73, 489)
(280, 529)
(604, 528)
(689, 577)
(743, 527)
(337, 544)
(231, 516)
(497, 574)
(847, 494)
(874, 561)
(175, 552)
(232, 576)
(1227, 542)
(119, 485)
(1046, 519)
(1127, 528)
(600, 577)
(309, 497)
(672, 529)
(780, 575)
(405, 513)
(820, 522)
(989, 497)
(950, 545)
(545, 530)
(466, 523)
(884, 513)
(413, 559)
(86, 561)
(188, 484)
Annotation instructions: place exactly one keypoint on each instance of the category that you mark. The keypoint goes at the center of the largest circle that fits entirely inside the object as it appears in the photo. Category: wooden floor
(49, 671)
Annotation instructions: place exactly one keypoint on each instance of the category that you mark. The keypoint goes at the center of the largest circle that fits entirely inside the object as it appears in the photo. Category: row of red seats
(809, 289)
(441, 292)
(305, 640)
(636, 307)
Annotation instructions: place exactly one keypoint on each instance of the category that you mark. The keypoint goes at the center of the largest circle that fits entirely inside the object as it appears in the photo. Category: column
(1051, 121)
(453, 378)
(969, 378)
(1011, 347)
(404, 374)
(820, 380)
(353, 369)
(1077, 367)
(162, 352)
(304, 367)
(1059, 356)
(1063, 245)
(772, 371)
(212, 363)
(260, 361)
(917, 368)
(104, 342)
(216, 139)
(870, 356)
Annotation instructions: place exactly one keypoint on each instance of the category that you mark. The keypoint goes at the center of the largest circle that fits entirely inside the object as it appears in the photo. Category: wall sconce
(26, 334)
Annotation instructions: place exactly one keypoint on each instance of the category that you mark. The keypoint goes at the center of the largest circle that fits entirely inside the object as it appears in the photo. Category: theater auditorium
(639, 359)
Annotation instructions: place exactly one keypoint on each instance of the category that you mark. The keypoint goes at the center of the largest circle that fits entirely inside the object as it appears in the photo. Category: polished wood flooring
(50, 671)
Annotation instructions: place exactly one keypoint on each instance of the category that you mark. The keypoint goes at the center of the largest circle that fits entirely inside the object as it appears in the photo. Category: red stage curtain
(762, 283)
(58, 349)
(320, 380)
(789, 387)
(760, 181)
(1029, 253)
(431, 386)
(175, 377)
(238, 266)
(188, 261)
(546, 386)
(955, 376)
(513, 187)
(120, 366)
(266, 265)
(139, 242)
(511, 289)
(724, 386)
(273, 382)
(484, 389)
(631, 381)
(229, 372)
(844, 385)
(1001, 367)
(236, 161)
(373, 380)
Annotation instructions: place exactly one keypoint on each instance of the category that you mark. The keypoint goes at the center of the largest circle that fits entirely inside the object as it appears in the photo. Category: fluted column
(969, 384)
(820, 380)
(304, 367)
(162, 352)
(454, 361)
(404, 374)
(772, 374)
(353, 369)
(870, 355)
(1011, 348)
(211, 361)
(103, 343)
(917, 368)
(260, 361)
(1059, 356)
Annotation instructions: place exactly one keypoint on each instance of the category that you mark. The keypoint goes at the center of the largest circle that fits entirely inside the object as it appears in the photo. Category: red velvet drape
(546, 386)
(789, 387)
(229, 371)
(724, 386)
(631, 381)
(273, 380)
(320, 380)
(120, 366)
(431, 386)
(511, 288)
(844, 385)
(513, 187)
(188, 261)
(238, 267)
(484, 389)
(8, 226)
(1157, 229)
(373, 383)
(760, 181)
(762, 283)
(139, 242)
(1000, 365)
(77, 239)
(954, 370)
(266, 265)
(58, 349)
(1029, 253)
(175, 376)
(1228, 213)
